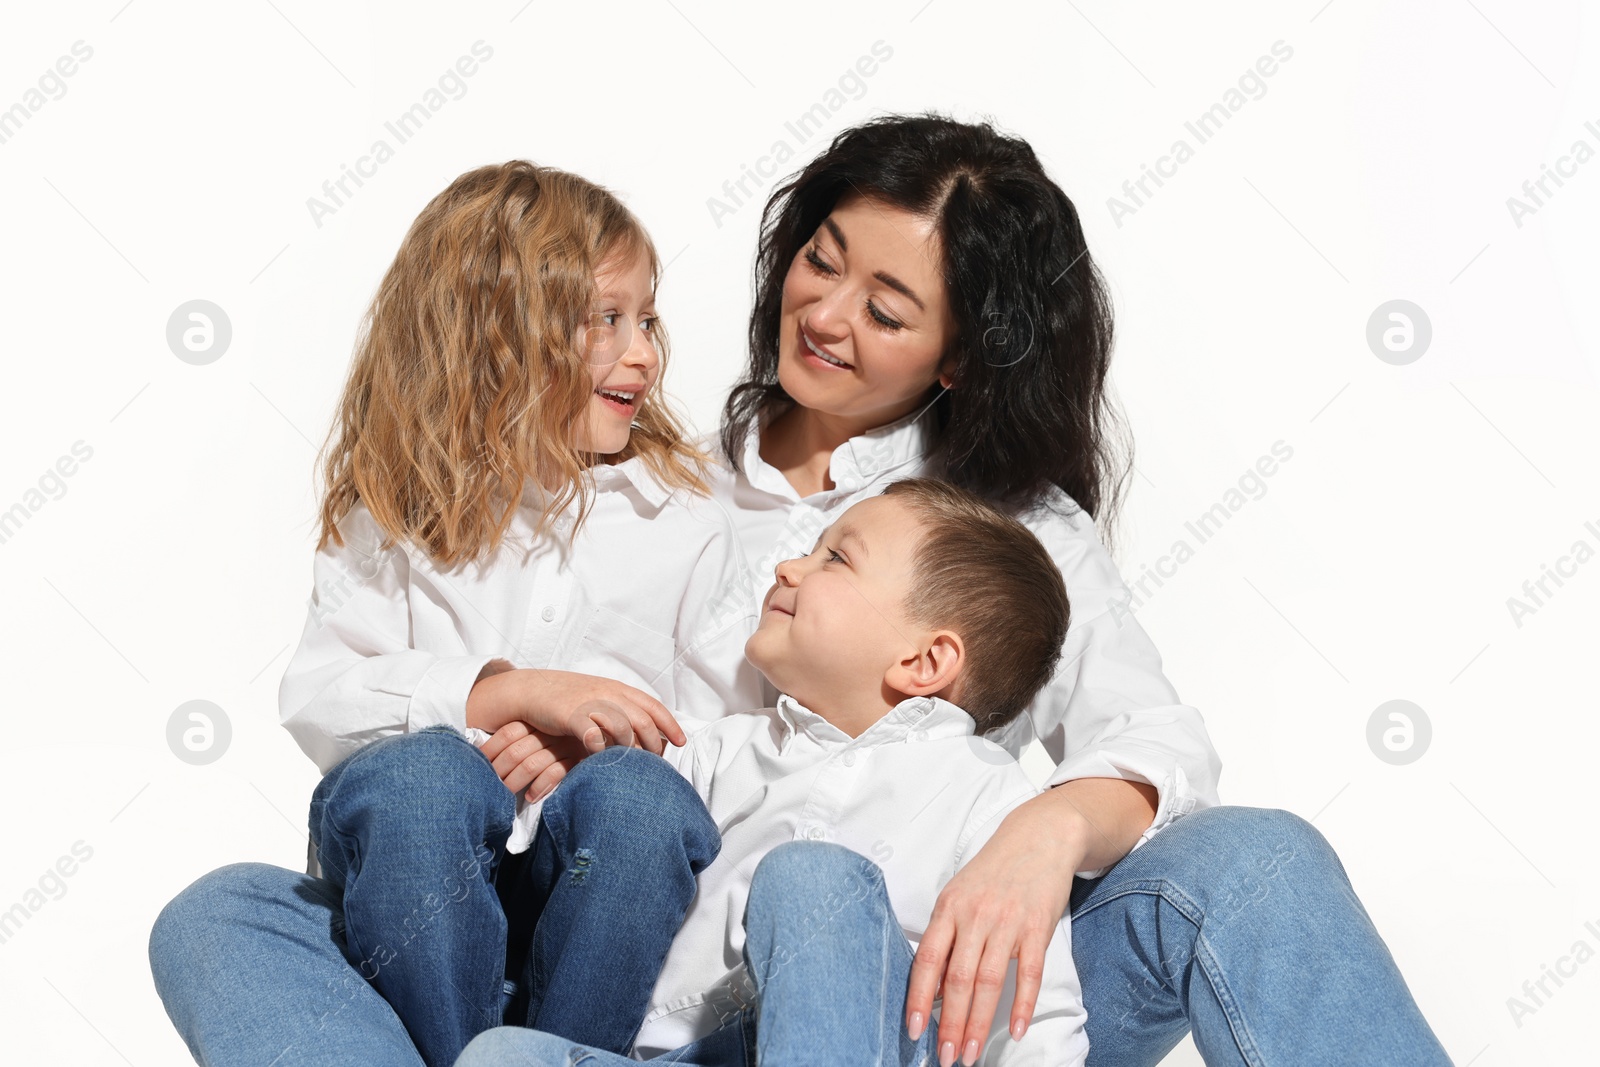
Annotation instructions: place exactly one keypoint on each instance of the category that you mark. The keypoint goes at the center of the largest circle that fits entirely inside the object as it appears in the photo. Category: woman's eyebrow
(899, 286)
(838, 234)
(883, 276)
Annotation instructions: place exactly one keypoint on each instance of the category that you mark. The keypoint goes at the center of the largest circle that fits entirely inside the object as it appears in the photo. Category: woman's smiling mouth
(817, 355)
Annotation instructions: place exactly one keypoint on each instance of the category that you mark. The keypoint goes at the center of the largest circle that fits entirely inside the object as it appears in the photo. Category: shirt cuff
(440, 695)
(1175, 797)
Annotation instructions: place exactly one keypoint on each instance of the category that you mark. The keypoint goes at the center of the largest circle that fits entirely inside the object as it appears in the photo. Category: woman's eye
(881, 319)
(816, 262)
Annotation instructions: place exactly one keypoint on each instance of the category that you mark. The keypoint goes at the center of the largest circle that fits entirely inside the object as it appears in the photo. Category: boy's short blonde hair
(986, 576)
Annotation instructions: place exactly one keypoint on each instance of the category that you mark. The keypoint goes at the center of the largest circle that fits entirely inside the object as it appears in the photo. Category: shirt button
(849, 759)
(548, 614)
(816, 833)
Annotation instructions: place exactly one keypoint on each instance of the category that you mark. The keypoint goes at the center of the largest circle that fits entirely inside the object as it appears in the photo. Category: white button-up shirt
(916, 793)
(1109, 711)
(393, 644)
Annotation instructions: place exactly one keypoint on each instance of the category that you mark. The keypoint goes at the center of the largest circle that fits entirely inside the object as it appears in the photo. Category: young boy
(922, 618)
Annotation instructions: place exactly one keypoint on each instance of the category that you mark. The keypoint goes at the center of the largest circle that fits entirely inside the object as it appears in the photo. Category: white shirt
(393, 644)
(1109, 711)
(916, 793)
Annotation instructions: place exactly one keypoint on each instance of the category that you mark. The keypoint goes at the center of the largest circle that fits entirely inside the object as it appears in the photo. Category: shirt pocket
(614, 646)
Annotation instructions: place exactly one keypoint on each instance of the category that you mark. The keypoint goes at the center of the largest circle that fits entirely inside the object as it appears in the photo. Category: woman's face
(866, 318)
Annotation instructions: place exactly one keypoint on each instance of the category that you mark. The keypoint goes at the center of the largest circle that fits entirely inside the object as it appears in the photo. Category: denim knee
(433, 770)
(639, 790)
(805, 870)
(1217, 860)
(517, 1045)
(186, 929)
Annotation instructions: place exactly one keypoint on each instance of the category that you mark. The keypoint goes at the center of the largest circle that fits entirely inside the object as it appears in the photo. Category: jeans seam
(1184, 905)
(1243, 1040)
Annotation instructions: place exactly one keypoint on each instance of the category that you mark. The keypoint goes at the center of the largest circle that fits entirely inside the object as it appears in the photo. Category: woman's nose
(830, 314)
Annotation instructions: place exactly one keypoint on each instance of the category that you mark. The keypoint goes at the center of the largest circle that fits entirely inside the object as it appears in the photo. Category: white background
(1377, 566)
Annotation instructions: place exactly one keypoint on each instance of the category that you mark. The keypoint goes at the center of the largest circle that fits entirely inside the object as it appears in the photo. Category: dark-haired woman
(926, 304)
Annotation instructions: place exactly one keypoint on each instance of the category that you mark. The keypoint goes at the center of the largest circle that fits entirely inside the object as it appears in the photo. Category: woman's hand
(566, 704)
(1005, 903)
(526, 759)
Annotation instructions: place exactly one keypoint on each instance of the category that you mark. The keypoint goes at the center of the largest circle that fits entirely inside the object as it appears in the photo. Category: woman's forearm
(1098, 819)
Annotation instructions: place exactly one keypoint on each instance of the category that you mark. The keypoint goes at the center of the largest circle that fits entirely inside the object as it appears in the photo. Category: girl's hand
(566, 704)
(527, 760)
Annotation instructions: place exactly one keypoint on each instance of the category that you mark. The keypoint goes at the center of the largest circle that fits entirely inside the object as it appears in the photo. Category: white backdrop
(167, 557)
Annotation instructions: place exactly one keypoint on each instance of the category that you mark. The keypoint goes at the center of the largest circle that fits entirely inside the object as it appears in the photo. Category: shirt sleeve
(354, 678)
(1109, 711)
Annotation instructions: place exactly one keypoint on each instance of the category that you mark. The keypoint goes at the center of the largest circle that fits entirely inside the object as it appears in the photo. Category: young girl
(511, 513)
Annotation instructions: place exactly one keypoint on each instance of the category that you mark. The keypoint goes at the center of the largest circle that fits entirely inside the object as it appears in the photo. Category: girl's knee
(638, 790)
(432, 772)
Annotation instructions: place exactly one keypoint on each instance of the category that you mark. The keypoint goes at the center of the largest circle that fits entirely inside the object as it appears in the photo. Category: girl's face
(866, 319)
(619, 340)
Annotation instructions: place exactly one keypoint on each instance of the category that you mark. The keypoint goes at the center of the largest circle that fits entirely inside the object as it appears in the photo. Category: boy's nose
(788, 572)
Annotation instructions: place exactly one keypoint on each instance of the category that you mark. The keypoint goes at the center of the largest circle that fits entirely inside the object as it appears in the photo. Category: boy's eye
(834, 557)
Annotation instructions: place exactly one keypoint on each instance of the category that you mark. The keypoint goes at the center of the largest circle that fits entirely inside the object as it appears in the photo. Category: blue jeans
(399, 954)
(828, 963)
(1236, 923)
(1240, 925)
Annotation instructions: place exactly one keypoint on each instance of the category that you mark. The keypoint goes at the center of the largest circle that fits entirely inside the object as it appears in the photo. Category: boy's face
(833, 627)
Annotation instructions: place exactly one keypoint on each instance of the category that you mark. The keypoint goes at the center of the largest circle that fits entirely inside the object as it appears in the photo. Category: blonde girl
(516, 553)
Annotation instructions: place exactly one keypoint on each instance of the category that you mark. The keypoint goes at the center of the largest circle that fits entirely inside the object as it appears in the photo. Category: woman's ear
(931, 670)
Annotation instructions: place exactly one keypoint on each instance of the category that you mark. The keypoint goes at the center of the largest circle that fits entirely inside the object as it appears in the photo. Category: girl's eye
(881, 319)
(816, 262)
(834, 557)
(647, 324)
(608, 317)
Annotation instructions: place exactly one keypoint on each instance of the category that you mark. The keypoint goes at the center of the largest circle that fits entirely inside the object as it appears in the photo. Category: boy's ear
(931, 670)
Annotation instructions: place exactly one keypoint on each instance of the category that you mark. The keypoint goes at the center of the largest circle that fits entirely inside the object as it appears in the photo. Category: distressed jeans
(399, 953)
(1238, 925)
(829, 966)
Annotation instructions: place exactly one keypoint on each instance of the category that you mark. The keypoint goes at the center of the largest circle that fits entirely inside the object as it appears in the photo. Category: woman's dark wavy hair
(1029, 407)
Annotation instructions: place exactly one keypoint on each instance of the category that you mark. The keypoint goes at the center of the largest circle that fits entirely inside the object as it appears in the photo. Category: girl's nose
(642, 351)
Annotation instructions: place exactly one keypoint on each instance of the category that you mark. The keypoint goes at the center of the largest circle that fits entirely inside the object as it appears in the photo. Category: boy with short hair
(922, 618)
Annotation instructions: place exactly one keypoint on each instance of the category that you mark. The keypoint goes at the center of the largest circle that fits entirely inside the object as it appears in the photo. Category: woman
(925, 303)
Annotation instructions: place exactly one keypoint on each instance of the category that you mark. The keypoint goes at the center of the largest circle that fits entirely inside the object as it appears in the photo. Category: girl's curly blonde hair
(469, 377)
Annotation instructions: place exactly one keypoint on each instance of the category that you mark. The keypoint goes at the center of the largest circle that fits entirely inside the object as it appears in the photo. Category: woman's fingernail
(947, 1054)
(915, 1029)
(970, 1056)
(1019, 1028)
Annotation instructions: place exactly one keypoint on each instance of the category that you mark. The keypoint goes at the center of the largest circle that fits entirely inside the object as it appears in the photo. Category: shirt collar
(914, 719)
(609, 477)
(858, 462)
